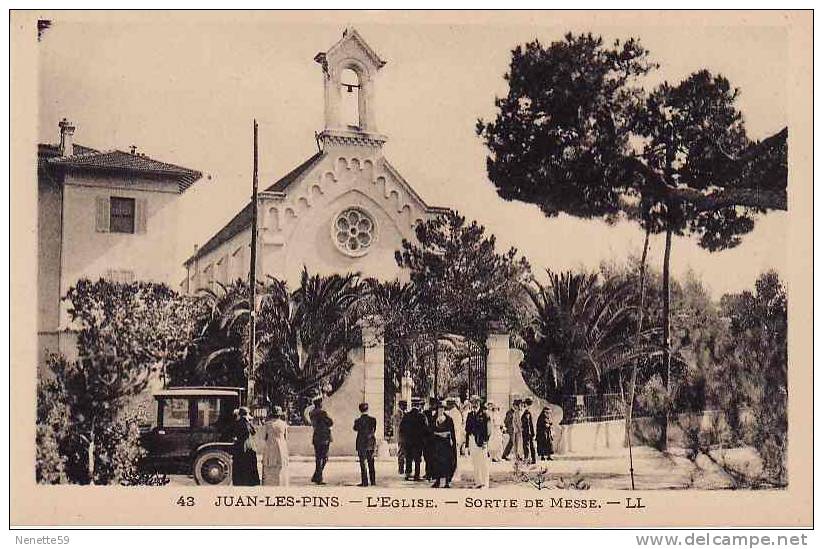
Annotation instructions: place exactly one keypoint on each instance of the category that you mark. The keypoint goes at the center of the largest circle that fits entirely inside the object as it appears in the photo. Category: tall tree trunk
(667, 338)
(90, 463)
(633, 379)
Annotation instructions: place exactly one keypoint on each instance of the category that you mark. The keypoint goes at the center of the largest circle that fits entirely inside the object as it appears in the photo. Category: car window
(211, 412)
(176, 412)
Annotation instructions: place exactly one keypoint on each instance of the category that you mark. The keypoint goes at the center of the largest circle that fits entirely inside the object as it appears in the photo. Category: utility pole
(250, 395)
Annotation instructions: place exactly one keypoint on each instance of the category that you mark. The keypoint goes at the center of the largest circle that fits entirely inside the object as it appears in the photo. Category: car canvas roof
(199, 392)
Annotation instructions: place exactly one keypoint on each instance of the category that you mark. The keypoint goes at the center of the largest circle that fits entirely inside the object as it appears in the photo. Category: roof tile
(118, 160)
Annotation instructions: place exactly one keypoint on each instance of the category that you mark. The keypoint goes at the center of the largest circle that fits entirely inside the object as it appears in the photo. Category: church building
(345, 209)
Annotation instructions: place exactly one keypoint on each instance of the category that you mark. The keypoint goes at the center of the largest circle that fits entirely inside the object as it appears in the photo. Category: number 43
(185, 501)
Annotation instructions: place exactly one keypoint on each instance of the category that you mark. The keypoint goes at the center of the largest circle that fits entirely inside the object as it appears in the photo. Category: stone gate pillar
(373, 374)
(498, 370)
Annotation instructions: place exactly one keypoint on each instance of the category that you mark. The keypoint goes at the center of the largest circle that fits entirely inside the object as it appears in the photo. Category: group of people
(428, 435)
(365, 443)
(436, 435)
(275, 451)
(432, 437)
(275, 458)
(523, 434)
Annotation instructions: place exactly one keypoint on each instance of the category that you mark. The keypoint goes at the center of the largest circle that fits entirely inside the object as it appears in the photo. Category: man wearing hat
(321, 438)
(514, 428)
(528, 433)
(412, 433)
(429, 415)
(365, 444)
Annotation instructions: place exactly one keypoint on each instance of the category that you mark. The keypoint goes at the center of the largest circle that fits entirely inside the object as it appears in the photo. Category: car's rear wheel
(213, 467)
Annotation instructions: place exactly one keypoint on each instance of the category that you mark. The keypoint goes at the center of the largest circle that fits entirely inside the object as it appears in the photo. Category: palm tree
(305, 336)
(302, 337)
(216, 355)
(581, 332)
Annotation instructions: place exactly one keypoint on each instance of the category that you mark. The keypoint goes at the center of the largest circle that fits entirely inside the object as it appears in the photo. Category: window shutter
(140, 216)
(103, 211)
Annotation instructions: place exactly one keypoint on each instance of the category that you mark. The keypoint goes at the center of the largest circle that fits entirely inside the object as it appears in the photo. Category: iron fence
(593, 407)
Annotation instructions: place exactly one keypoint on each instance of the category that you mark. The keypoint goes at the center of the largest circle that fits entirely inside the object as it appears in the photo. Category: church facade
(345, 209)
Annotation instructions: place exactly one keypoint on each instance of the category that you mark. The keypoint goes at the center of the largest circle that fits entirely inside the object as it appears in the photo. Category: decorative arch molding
(343, 174)
(359, 68)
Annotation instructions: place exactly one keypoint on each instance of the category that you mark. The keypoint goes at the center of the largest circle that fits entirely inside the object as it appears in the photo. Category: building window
(121, 217)
(354, 231)
(176, 412)
(120, 276)
(116, 214)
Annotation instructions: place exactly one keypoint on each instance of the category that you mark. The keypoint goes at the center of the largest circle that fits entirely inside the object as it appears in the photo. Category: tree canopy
(577, 133)
(464, 285)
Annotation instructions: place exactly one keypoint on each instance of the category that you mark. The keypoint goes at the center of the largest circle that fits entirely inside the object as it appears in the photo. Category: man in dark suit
(321, 439)
(428, 420)
(508, 423)
(412, 433)
(366, 442)
(528, 433)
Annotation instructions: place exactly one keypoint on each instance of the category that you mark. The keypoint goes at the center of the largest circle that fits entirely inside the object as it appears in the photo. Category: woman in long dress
(495, 433)
(276, 450)
(544, 434)
(443, 448)
(244, 460)
(457, 417)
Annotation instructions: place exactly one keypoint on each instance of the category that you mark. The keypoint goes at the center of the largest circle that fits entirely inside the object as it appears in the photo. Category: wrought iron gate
(476, 373)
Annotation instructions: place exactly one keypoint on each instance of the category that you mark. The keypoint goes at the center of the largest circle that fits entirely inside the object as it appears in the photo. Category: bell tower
(349, 70)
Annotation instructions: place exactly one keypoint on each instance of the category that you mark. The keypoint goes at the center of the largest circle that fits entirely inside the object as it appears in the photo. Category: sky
(186, 92)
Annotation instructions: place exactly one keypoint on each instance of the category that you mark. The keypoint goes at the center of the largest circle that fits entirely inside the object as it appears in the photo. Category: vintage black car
(191, 433)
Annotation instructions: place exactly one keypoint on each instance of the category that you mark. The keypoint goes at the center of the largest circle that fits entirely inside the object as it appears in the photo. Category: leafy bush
(81, 439)
(50, 467)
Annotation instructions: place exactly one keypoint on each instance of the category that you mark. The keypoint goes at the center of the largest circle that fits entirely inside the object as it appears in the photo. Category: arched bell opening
(350, 99)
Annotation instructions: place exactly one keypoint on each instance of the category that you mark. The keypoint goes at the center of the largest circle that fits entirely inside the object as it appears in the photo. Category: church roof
(120, 161)
(351, 34)
(243, 219)
(284, 182)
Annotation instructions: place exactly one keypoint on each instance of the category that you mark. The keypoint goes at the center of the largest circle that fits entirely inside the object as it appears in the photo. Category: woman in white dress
(275, 450)
(495, 432)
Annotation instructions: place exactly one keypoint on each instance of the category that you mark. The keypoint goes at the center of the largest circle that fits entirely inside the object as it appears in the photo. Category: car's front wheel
(213, 467)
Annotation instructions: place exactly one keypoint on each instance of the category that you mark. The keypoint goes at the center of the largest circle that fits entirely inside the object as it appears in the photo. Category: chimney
(66, 138)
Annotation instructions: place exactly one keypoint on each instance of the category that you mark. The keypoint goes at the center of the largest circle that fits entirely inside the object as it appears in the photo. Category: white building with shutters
(101, 214)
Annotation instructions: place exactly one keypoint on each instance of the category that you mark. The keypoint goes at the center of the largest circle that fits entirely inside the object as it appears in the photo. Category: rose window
(354, 231)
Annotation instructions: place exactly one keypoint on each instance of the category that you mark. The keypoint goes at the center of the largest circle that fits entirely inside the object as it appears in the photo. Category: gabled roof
(121, 161)
(243, 219)
(430, 209)
(49, 150)
(284, 182)
(351, 34)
